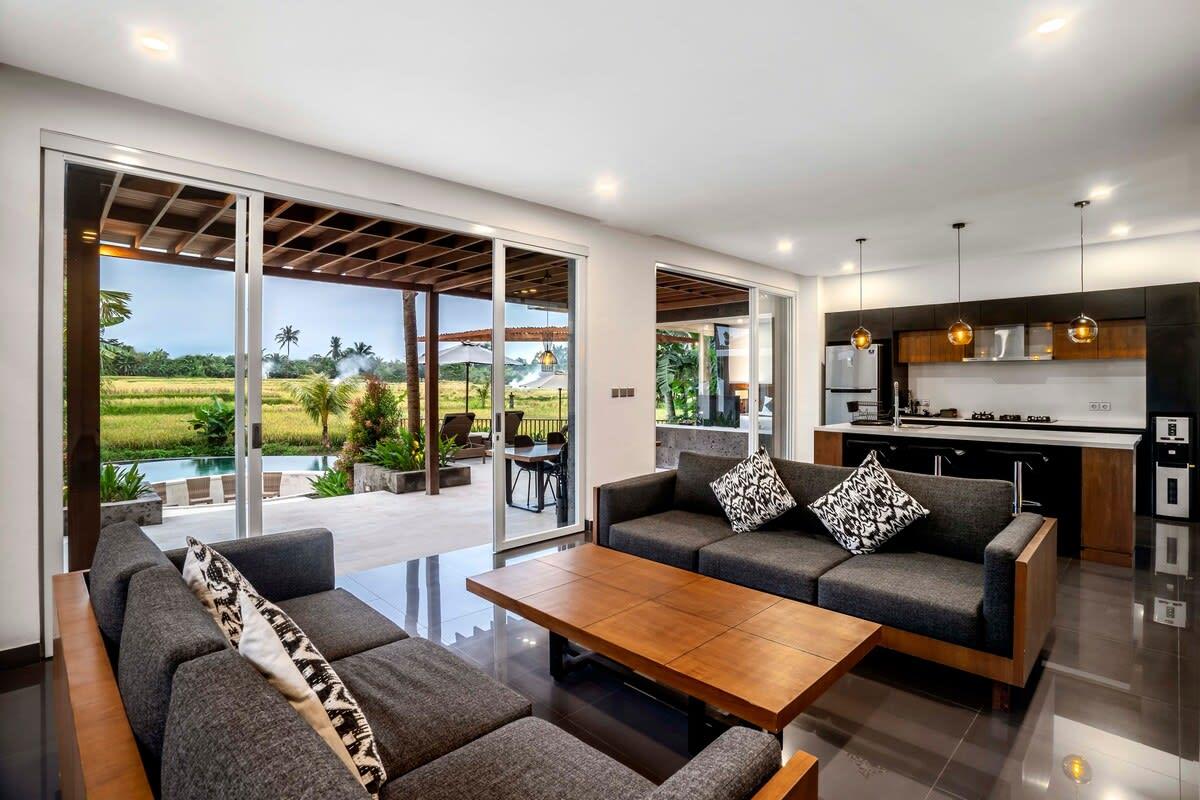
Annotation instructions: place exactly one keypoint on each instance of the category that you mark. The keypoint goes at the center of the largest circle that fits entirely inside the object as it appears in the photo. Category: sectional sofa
(970, 586)
(154, 702)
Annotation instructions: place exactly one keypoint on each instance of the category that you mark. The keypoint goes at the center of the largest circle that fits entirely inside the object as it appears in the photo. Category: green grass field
(144, 418)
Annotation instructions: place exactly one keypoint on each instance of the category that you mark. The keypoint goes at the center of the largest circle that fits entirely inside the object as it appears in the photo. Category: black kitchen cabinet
(1172, 368)
(946, 314)
(879, 322)
(1005, 311)
(839, 325)
(1053, 307)
(913, 318)
(1173, 304)
(1115, 304)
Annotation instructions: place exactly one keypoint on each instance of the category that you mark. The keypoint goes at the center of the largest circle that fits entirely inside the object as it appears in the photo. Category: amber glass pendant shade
(1083, 330)
(960, 333)
(861, 338)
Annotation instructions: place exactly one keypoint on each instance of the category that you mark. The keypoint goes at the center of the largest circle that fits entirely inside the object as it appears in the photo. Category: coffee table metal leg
(558, 653)
(697, 717)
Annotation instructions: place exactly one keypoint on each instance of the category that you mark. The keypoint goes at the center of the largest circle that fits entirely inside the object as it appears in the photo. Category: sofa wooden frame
(98, 755)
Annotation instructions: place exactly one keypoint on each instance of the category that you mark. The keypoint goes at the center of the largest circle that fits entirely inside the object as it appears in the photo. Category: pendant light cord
(1081, 205)
(958, 230)
(860, 281)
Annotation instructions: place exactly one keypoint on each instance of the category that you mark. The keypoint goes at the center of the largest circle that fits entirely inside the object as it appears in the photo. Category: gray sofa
(949, 577)
(209, 725)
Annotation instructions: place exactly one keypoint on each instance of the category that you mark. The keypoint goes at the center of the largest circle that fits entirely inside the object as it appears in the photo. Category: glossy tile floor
(1118, 687)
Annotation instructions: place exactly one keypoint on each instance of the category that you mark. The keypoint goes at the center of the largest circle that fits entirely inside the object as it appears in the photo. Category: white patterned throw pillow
(868, 508)
(291, 663)
(752, 493)
(216, 584)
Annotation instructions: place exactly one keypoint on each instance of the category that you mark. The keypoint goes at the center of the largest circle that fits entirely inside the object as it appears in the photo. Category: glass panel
(158, 262)
(539, 406)
(774, 373)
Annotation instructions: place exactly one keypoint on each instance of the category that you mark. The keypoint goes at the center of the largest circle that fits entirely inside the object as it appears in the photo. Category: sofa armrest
(999, 580)
(733, 767)
(632, 498)
(279, 565)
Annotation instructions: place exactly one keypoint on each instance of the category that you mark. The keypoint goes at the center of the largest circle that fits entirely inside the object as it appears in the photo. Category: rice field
(149, 417)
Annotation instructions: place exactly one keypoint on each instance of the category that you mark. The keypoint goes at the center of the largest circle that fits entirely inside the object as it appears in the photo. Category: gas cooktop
(987, 416)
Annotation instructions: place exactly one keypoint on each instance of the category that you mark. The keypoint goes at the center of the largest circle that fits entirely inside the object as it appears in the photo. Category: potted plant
(125, 495)
(397, 465)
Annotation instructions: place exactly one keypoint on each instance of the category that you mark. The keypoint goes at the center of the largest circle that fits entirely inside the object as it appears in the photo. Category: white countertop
(1124, 423)
(1114, 441)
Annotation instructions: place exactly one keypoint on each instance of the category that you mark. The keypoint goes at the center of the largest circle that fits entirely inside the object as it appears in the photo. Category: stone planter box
(144, 510)
(372, 478)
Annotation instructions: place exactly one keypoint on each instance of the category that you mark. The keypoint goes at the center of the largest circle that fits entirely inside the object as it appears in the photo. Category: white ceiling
(726, 125)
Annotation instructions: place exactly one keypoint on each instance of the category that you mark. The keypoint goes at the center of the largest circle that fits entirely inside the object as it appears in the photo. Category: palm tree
(287, 337)
(319, 396)
(335, 348)
(412, 380)
(361, 349)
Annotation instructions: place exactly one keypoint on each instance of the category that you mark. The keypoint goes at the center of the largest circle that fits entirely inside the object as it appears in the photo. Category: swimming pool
(174, 469)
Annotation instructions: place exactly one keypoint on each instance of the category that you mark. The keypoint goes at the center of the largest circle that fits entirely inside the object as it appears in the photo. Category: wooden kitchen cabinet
(913, 347)
(941, 350)
(1122, 338)
(1066, 350)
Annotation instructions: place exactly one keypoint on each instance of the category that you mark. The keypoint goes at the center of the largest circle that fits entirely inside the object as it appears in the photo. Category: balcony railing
(536, 427)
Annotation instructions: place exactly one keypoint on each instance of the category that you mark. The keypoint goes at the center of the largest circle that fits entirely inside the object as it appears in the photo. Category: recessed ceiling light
(153, 43)
(1120, 229)
(1100, 192)
(784, 245)
(1052, 25)
(606, 186)
(847, 266)
(483, 229)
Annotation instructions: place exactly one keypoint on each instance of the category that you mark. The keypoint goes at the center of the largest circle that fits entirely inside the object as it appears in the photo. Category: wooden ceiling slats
(183, 243)
(157, 217)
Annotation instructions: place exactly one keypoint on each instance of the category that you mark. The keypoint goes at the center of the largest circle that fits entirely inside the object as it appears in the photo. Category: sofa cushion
(286, 657)
(693, 482)
(340, 624)
(672, 537)
(923, 593)
(751, 494)
(867, 509)
(806, 482)
(122, 550)
(165, 626)
(529, 759)
(230, 734)
(423, 701)
(964, 514)
(786, 563)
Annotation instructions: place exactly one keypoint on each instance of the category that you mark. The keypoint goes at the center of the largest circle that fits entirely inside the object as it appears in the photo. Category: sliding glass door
(537, 394)
(773, 331)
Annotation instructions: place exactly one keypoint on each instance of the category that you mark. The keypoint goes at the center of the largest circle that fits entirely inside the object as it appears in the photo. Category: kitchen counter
(990, 433)
(1125, 424)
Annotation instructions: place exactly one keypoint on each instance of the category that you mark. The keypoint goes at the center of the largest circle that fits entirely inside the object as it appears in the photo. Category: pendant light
(1083, 329)
(960, 333)
(861, 338)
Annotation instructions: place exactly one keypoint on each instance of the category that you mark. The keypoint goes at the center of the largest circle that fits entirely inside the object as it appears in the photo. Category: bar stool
(1021, 460)
(883, 451)
(941, 455)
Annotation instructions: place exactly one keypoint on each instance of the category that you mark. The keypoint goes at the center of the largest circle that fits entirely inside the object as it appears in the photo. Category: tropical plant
(287, 337)
(412, 377)
(482, 391)
(335, 348)
(676, 379)
(406, 452)
(122, 483)
(374, 416)
(214, 422)
(361, 349)
(319, 396)
(332, 483)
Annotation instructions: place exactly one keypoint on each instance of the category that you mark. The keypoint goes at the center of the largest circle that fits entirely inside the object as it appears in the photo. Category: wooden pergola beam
(299, 230)
(108, 201)
(230, 199)
(162, 211)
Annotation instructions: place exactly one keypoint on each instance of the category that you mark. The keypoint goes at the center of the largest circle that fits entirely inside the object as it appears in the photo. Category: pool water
(174, 469)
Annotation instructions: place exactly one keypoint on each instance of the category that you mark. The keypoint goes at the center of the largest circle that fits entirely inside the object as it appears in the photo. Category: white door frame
(500, 539)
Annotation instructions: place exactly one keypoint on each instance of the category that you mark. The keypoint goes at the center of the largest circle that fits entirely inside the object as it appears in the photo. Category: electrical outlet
(1094, 405)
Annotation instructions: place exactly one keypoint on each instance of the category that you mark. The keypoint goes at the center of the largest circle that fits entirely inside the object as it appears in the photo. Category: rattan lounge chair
(199, 490)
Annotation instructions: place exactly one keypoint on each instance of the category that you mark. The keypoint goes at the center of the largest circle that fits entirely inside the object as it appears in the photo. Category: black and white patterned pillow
(752, 493)
(216, 584)
(291, 663)
(868, 508)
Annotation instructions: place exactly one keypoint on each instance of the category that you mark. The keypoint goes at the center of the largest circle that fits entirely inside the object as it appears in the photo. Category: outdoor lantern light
(861, 338)
(1083, 329)
(547, 359)
(960, 332)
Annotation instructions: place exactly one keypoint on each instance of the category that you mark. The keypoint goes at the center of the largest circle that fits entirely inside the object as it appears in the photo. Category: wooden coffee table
(750, 654)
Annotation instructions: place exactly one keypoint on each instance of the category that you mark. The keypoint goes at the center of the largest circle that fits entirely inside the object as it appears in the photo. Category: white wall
(620, 287)
(1110, 265)
(1059, 389)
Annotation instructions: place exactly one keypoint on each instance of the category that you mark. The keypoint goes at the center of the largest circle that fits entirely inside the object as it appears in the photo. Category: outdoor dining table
(537, 456)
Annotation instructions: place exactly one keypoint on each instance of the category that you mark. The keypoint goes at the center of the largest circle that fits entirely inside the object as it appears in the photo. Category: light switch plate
(616, 392)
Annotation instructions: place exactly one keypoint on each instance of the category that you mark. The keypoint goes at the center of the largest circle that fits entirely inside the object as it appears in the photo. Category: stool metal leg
(1018, 489)
(937, 465)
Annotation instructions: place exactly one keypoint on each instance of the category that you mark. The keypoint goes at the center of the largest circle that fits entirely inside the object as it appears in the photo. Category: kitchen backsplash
(1060, 389)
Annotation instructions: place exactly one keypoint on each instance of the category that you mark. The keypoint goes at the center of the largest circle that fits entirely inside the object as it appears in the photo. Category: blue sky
(189, 310)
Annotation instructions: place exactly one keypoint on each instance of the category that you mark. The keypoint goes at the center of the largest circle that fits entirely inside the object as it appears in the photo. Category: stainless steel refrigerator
(854, 375)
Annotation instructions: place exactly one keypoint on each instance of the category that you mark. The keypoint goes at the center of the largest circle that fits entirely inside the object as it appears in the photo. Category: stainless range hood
(1013, 343)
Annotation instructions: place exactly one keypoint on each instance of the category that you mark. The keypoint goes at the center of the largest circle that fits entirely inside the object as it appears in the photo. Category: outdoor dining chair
(229, 488)
(199, 490)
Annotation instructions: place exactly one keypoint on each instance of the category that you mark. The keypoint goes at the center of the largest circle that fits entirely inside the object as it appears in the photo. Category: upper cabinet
(1118, 338)
(1173, 304)
(1009, 311)
(839, 325)
(946, 314)
(927, 347)
(913, 318)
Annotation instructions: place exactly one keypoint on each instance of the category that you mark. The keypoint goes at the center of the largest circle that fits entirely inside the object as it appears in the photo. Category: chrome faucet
(895, 405)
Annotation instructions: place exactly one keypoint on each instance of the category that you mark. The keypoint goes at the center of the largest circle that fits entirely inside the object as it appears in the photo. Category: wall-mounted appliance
(853, 375)
(1014, 343)
(1174, 463)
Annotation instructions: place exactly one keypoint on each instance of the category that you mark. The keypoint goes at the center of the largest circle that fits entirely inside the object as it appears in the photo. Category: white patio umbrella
(555, 380)
(468, 354)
